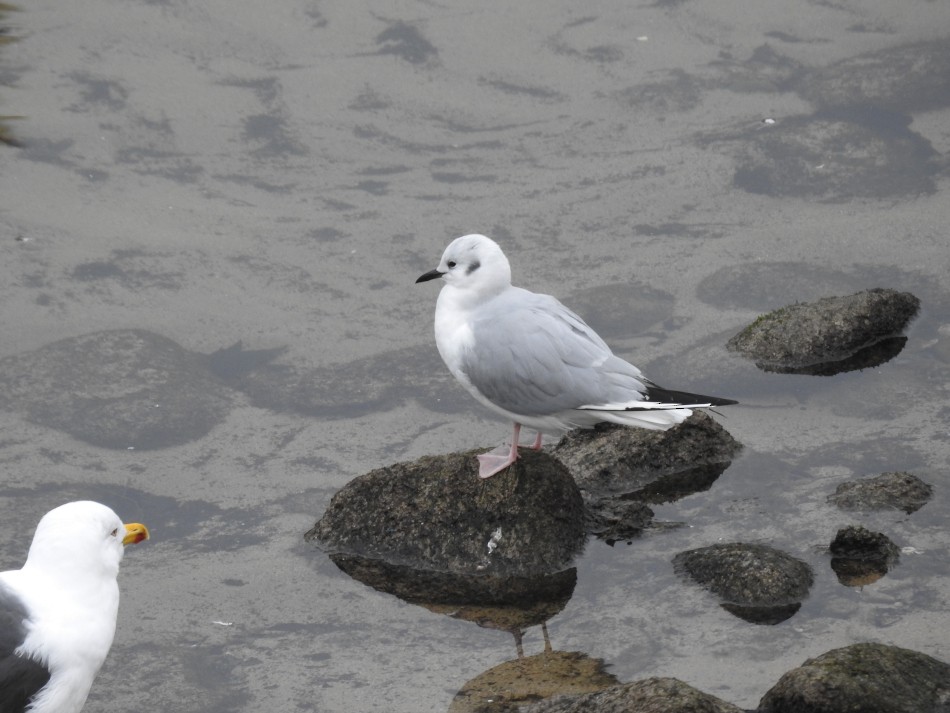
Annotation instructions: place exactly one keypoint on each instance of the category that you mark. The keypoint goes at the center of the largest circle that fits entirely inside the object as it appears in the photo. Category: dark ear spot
(473, 267)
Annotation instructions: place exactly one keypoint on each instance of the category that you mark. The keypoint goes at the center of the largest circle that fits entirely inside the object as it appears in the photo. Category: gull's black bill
(430, 275)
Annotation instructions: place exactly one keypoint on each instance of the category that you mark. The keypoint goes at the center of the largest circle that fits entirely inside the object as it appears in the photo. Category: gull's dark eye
(451, 264)
(114, 532)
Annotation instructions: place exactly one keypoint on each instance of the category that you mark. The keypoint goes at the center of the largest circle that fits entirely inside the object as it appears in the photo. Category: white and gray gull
(529, 358)
(58, 612)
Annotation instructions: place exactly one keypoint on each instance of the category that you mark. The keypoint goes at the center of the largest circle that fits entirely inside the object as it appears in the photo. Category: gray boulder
(870, 678)
(831, 335)
(436, 516)
(887, 491)
(650, 695)
(757, 583)
(649, 466)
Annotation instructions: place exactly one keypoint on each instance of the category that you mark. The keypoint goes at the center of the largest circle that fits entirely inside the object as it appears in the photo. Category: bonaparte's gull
(528, 357)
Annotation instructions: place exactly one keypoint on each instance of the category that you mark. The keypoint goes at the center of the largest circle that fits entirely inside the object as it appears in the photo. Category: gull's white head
(473, 263)
(82, 537)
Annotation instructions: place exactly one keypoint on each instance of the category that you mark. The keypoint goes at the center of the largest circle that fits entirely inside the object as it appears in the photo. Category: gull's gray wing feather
(533, 356)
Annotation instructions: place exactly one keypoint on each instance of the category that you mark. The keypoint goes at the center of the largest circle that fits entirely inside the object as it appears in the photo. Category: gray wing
(20, 677)
(533, 356)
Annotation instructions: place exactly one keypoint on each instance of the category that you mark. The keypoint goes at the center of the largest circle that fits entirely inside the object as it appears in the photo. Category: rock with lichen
(887, 491)
(656, 695)
(757, 583)
(435, 514)
(830, 335)
(867, 677)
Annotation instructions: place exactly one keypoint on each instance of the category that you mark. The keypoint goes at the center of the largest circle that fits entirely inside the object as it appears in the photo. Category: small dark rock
(760, 584)
(650, 466)
(856, 542)
(437, 514)
(870, 678)
(888, 491)
(821, 337)
(650, 695)
(860, 557)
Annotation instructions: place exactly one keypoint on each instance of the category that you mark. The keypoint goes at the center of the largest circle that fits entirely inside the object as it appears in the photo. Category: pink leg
(537, 443)
(491, 463)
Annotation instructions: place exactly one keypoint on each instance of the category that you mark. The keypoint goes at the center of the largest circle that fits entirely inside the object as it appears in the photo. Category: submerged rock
(347, 390)
(888, 491)
(653, 695)
(757, 583)
(623, 308)
(124, 388)
(914, 77)
(436, 514)
(831, 335)
(770, 285)
(871, 678)
(860, 557)
(506, 687)
(836, 156)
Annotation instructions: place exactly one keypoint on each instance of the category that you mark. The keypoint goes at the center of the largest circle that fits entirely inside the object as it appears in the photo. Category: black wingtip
(668, 396)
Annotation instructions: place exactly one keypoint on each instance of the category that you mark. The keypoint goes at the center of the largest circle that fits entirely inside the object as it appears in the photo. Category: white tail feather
(657, 420)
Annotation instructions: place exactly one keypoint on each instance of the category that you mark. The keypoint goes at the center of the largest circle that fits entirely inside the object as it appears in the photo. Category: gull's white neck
(453, 322)
(71, 631)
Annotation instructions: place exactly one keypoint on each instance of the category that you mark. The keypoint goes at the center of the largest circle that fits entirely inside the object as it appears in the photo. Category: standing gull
(528, 357)
(57, 613)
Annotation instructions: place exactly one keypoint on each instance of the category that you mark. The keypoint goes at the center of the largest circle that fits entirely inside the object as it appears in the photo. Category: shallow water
(278, 175)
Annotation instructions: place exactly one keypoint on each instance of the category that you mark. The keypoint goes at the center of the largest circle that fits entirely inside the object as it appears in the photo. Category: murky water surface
(211, 232)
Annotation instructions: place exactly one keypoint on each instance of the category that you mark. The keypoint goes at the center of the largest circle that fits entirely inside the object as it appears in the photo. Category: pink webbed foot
(503, 456)
(491, 463)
